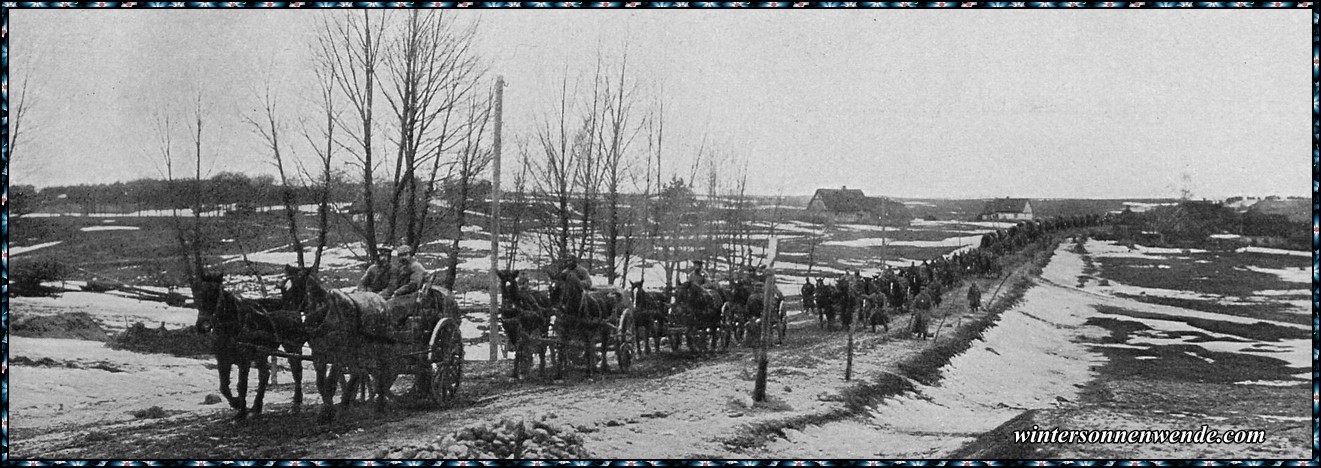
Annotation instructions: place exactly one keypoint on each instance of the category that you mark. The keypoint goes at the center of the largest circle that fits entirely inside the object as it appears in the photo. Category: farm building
(845, 205)
(1007, 209)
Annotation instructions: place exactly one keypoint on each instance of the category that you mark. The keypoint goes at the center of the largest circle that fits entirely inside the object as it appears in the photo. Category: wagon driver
(575, 272)
(696, 276)
(407, 276)
(377, 277)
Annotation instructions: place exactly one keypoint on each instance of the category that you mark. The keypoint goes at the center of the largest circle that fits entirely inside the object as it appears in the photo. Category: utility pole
(495, 221)
(768, 299)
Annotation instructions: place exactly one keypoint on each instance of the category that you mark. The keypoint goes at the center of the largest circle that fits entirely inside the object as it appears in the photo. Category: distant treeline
(224, 191)
(1193, 222)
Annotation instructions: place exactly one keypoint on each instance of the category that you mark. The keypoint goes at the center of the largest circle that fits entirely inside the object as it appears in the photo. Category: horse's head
(635, 289)
(207, 292)
(508, 285)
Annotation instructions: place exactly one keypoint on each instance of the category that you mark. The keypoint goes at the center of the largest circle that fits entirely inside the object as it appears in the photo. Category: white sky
(908, 103)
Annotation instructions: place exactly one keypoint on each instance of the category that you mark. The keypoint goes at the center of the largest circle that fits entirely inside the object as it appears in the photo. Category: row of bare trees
(403, 101)
(597, 166)
(401, 98)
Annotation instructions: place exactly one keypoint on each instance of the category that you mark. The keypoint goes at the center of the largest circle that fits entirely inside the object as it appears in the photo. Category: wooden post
(768, 298)
(848, 366)
(495, 222)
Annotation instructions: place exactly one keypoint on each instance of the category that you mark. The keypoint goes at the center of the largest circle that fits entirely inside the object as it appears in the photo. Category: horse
(334, 321)
(652, 314)
(735, 314)
(525, 316)
(590, 317)
(756, 307)
(825, 304)
(244, 330)
(873, 305)
(845, 302)
(699, 310)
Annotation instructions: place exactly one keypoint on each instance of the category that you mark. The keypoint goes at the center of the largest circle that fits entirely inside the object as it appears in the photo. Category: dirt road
(672, 405)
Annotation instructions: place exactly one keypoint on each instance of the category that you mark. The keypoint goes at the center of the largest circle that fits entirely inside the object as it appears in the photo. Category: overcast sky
(906, 103)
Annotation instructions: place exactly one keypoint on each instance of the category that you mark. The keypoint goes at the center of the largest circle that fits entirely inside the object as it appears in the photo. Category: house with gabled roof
(845, 205)
(1007, 209)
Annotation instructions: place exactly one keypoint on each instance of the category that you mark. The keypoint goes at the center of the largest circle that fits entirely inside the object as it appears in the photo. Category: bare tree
(326, 89)
(553, 175)
(352, 49)
(17, 117)
(472, 161)
(618, 135)
(269, 131)
(433, 73)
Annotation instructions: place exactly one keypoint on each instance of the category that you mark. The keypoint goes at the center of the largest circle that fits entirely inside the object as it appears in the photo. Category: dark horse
(333, 320)
(653, 309)
(592, 317)
(825, 305)
(699, 310)
(755, 308)
(525, 316)
(246, 332)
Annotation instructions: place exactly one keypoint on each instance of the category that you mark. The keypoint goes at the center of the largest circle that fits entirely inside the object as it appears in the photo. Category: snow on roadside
(109, 228)
(16, 250)
(1288, 275)
(1000, 376)
(114, 313)
(1266, 250)
(53, 396)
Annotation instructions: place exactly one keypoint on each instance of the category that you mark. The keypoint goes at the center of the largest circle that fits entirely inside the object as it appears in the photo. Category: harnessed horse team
(359, 335)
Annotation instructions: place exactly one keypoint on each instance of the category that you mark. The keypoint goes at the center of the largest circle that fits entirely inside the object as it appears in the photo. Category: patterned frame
(1315, 460)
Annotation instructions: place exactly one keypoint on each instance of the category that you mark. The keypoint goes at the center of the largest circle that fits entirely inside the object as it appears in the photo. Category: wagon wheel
(446, 359)
(626, 342)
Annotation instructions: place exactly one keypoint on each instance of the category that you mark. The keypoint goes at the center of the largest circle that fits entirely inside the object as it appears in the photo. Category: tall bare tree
(553, 174)
(325, 152)
(473, 159)
(433, 73)
(619, 131)
(269, 131)
(352, 50)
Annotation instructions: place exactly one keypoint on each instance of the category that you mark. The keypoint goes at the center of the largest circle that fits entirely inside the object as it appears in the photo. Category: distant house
(845, 205)
(1007, 209)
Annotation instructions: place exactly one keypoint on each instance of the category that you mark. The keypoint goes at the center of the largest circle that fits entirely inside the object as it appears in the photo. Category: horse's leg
(351, 388)
(224, 367)
(605, 348)
(383, 383)
(296, 370)
(325, 386)
(263, 377)
(241, 388)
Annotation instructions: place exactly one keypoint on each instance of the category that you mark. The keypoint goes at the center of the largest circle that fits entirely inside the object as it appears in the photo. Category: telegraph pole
(768, 299)
(495, 221)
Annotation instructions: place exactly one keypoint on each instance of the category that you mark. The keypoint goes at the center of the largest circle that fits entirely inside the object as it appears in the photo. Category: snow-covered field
(1003, 375)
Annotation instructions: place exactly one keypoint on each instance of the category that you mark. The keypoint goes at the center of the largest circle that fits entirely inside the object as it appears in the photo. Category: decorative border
(653, 5)
(1316, 230)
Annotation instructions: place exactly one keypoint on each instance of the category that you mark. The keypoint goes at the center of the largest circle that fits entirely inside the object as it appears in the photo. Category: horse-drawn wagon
(569, 320)
(362, 334)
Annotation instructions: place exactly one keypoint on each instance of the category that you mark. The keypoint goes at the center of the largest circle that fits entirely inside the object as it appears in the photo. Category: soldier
(408, 274)
(573, 271)
(809, 302)
(377, 277)
(921, 314)
(696, 276)
(974, 297)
